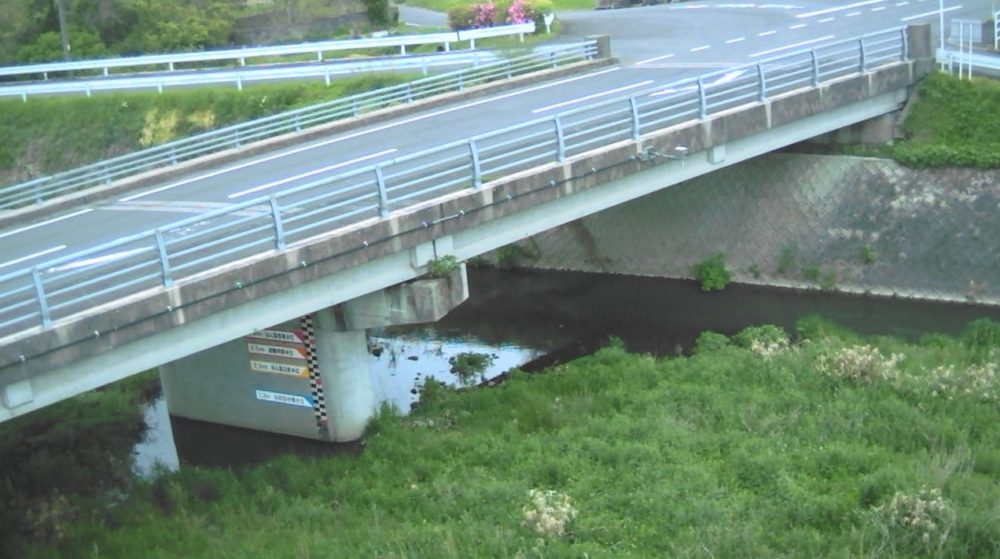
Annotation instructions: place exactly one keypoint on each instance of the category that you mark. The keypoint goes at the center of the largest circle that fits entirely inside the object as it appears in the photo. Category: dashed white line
(35, 255)
(369, 131)
(766, 33)
(798, 26)
(853, 14)
(287, 180)
(702, 47)
(44, 223)
(898, 4)
(792, 46)
(827, 19)
(654, 59)
(736, 40)
(594, 96)
(878, 9)
(927, 14)
(839, 8)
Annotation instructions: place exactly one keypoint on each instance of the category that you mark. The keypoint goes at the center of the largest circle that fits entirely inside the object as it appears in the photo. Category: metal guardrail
(239, 76)
(44, 188)
(241, 55)
(62, 287)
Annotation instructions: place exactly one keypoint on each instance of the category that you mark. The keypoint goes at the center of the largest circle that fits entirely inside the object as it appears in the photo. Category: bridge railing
(59, 288)
(172, 60)
(238, 77)
(45, 188)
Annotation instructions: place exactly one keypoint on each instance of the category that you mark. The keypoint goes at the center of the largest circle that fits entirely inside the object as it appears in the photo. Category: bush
(461, 17)
(712, 272)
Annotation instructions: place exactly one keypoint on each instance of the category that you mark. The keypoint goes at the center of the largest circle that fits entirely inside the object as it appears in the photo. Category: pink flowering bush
(520, 12)
(485, 14)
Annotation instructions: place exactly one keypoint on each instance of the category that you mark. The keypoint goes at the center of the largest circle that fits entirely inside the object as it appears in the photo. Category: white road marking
(30, 256)
(839, 9)
(798, 26)
(898, 4)
(927, 14)
(853, 14)
(736, 40)
(654, 59)
(727, 77)
(368, 131)
(30, 227)
(98, 259)
(792, 46)
(589, 97)
(287, 180)
(827, 19)
(702, 47)
(766, 33)
(878, 9)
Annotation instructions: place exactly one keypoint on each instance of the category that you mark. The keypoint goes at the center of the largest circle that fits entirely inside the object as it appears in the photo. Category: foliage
(860, 363)
(709, 341)
(719, 454)
(767, 341)
(378, 12)
(548, 513)
(712, 272)
(951, 124)
(461, 17)
(469, 365)
(868, 255)
(443, 266)
(787, 258)
(917, 525)
(48, 46)
(520, 12)
(47, 135)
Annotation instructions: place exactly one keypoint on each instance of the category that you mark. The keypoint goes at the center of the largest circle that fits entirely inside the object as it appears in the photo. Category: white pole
(961, 41)
(941, 29)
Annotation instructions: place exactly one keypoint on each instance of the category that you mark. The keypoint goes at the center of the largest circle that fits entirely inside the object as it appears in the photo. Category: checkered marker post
(315, 382)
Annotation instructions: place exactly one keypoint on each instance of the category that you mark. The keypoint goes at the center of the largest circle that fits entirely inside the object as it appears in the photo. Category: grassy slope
(722, 454)
(953, 122)
(50, 134)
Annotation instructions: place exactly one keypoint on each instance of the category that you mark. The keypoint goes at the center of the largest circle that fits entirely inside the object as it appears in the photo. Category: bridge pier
(309, 377)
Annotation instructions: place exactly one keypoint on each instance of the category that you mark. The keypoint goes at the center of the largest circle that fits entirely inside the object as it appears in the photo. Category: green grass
(952, 123)
(50, 134)
(752, 447)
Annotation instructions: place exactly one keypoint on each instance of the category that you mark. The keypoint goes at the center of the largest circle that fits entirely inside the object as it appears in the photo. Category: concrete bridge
(256, 313)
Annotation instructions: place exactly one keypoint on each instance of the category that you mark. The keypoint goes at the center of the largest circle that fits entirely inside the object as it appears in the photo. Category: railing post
(861, 47)
(906, 45)
(107, 174)
(409, 93)
(298, 125)
(762, 91)
(635, 117)
(43, 304)
(279, 228)
(354, 107)
(560, 140)
(161, 246)
(173, 155)
(702, 100)
(477, 172)
(239, 83)
(383, 196)
(815, 67)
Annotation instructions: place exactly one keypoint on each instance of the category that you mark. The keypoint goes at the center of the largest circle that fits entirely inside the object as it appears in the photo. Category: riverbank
(752, 446)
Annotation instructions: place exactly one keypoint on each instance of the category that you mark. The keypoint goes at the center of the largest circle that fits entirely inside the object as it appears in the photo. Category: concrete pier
(307, 378)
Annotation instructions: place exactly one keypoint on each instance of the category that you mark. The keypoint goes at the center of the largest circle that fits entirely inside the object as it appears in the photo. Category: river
(533, 319)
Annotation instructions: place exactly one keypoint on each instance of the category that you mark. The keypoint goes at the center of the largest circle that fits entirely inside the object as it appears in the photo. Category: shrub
(548, 513)
(868, 253)
(709, 341)
(461, 17)
(859, 363)
(787, 259)
(484, 15)
(915, 524)
(981, 382)
(441, 267)
(712, 272)
(766, 341)
(520, 12)
(468, 365)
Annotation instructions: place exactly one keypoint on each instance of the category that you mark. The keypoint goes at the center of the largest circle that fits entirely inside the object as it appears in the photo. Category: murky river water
(533, 319)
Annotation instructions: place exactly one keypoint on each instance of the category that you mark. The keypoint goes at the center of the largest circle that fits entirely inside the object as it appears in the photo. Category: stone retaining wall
(848, 223)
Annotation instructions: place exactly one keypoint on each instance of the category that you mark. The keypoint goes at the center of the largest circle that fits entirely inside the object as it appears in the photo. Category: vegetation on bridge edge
(952, 123)
(822, 445)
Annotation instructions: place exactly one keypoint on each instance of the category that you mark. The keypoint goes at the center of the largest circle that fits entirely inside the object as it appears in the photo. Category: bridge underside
(161, 327)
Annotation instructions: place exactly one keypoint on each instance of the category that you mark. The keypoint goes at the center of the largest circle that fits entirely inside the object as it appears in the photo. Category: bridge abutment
(308, 377)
